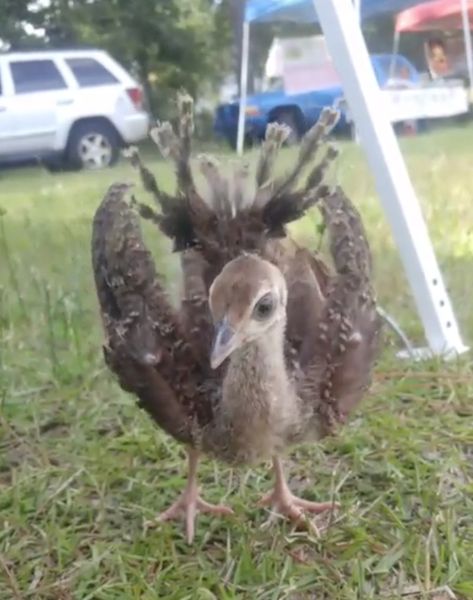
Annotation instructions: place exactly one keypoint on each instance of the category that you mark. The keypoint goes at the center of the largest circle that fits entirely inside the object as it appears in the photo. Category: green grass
(81, 468)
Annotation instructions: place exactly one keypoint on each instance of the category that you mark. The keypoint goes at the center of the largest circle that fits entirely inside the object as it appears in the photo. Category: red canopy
(437, 15)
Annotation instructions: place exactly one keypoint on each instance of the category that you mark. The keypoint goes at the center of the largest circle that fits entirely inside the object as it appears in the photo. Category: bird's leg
(286, 503)
(190, 503)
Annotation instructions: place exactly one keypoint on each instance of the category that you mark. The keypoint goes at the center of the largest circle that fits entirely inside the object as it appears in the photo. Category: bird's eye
(263, 307)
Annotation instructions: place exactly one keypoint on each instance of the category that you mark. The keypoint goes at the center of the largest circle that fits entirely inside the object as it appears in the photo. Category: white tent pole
(396, 42)
(357, 5)
(245, 53)
(467, 38)
(350, 55)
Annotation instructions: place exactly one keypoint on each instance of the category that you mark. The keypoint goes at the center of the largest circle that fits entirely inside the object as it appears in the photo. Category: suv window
(36, 76)
(88, 72)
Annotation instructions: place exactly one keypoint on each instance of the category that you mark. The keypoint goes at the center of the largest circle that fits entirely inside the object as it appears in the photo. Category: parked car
(71, 107)
(301, 111)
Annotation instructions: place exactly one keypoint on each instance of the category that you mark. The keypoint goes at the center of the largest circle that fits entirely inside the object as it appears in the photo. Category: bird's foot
(187, 506)
(285, 503)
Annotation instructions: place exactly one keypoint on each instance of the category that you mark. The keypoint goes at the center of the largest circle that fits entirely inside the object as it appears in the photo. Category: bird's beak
(225, 342)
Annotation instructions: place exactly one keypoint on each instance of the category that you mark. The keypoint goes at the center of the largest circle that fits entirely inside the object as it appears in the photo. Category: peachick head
(247, 299)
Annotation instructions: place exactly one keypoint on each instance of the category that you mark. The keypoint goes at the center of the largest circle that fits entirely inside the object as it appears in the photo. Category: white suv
(74, 107)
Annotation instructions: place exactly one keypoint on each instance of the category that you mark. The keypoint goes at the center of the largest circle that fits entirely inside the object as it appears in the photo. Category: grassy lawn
(81, 468)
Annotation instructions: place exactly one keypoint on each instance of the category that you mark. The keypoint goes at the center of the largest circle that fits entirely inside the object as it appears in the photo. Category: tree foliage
(168, 43)
(15, 14)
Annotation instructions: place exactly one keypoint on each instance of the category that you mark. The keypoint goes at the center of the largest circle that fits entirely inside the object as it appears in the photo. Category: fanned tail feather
(349, 327)
(146, 345)
(276, 135)
(218, 186)
(257, 210)
(309, 146)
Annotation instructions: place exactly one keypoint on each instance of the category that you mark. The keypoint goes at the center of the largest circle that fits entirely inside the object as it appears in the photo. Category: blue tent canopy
(302, 11)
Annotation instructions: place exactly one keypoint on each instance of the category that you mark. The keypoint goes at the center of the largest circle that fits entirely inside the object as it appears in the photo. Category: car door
(38, 91)
(5, 122)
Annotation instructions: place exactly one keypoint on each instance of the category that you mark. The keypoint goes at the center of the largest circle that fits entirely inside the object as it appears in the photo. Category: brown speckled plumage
(291, 379)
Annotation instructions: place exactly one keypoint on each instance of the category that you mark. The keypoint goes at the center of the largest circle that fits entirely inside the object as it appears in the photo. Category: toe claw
(213, 509)
(317, 507)
(266, 500)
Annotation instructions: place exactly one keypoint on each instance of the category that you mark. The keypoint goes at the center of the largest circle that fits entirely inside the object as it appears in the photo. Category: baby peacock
(270, 347)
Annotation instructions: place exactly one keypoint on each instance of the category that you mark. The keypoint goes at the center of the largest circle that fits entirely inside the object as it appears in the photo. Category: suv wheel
(93, 145)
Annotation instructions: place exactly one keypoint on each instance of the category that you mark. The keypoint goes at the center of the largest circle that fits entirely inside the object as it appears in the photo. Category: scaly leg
(286, 503)
(190, 503)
